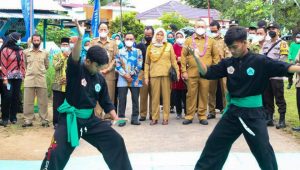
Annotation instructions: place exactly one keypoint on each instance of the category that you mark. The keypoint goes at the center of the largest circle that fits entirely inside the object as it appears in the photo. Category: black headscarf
(11, 43)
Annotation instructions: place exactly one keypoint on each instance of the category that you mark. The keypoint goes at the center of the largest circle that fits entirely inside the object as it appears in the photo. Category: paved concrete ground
(159, 147)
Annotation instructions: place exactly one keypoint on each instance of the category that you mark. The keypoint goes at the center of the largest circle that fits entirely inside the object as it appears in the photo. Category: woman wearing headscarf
(179, 88)
(12, 73)
(86, 43)
(160, 57)
(118, 40)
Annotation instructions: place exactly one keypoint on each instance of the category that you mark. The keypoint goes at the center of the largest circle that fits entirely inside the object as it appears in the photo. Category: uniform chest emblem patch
(230, 70)
(250, 71)
(83, 82)
(97, 87)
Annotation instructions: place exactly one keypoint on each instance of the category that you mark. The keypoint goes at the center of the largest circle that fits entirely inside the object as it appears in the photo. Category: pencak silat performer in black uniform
(247, 76)
(85, 86)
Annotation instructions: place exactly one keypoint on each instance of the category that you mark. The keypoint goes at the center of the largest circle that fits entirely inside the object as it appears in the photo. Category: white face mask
(251, 37)
(180, 41)
(71, 45)
(129, 43)
(260, 38)
(65, 49)
(103, 34)
(200, 31)
(86, 48)
(297, 40)
(118, 42)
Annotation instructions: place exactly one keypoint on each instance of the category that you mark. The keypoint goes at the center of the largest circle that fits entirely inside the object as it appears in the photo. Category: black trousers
(122, 100)
(179, 97)
(228, 129)
(275, 89)
(219, 97)
(10, 99)
(58, 99)
(290, 78)
(96, 132)
(298, 100)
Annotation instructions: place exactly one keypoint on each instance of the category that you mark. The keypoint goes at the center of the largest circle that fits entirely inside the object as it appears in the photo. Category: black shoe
(142, 119)
(3, 123)
(281, 125)
(211, 116)
(27, 125)
(122, 124)
(135, 122)
(186, 122)
(203, 122)
(270, 123)
(296, 129)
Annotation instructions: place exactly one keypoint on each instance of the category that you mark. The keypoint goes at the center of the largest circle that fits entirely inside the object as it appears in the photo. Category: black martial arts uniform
(247, 77)
(82, 92)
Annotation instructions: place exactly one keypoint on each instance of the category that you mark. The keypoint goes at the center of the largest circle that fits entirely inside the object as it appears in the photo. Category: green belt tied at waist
(247, 102)
(72, 114)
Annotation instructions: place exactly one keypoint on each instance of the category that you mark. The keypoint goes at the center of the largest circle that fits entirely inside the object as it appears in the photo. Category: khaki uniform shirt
(36, 65)
(112, 50)
(60, 65)
(163, 61)
(188, 63)
(221, 46)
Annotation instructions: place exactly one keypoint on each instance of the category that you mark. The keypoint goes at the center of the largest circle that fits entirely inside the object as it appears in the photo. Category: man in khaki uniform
(108, 71)
(213, 84)
(197, 87)
(36, 63)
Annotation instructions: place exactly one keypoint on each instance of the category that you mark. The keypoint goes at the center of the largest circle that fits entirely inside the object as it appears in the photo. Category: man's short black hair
(128, 33)
(236, 33)
(97, 54)
(149, 28)
(215, 23)
(36, 35)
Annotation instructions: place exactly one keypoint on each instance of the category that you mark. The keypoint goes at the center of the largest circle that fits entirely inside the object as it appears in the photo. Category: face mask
(129, 43)
(65, 49)
(297, 40)
(180, 41)
(171, 40)
(251, 37)
(36, 45)
(118, 42)
(103, 34)
(272, 34)
(71, 45)
(86, 48)
(18, 43)
(260, 38)
(148, 39)
(200, 31)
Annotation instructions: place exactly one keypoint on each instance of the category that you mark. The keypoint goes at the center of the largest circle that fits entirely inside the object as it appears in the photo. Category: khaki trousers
(197, 89)
(145, 91)
(111, 91)
(42, 97)
(160, 86)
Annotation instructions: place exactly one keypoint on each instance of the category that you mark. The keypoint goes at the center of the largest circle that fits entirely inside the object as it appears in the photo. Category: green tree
(53, 33)
(173, 18)
(130, 24)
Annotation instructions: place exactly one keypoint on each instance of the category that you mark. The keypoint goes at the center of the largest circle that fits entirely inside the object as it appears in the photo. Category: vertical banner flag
(96, 18)
(28, 14)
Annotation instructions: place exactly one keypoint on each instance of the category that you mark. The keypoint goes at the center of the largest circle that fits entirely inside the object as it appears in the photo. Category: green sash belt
(72, 114)
(248, 102)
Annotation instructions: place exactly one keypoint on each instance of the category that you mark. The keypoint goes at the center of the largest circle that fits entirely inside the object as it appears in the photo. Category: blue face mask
(171, 40)
(18, 43)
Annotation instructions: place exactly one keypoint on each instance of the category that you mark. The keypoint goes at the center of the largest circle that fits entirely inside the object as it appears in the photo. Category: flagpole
(31, 18)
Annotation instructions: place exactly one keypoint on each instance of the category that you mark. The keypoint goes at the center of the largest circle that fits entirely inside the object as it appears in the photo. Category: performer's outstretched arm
(294, 69)
(77, 48)
(202, 68)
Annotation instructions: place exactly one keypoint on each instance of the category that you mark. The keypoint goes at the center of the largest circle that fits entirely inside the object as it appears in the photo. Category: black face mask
(148, 39)
(272, 34)
(36, 45)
